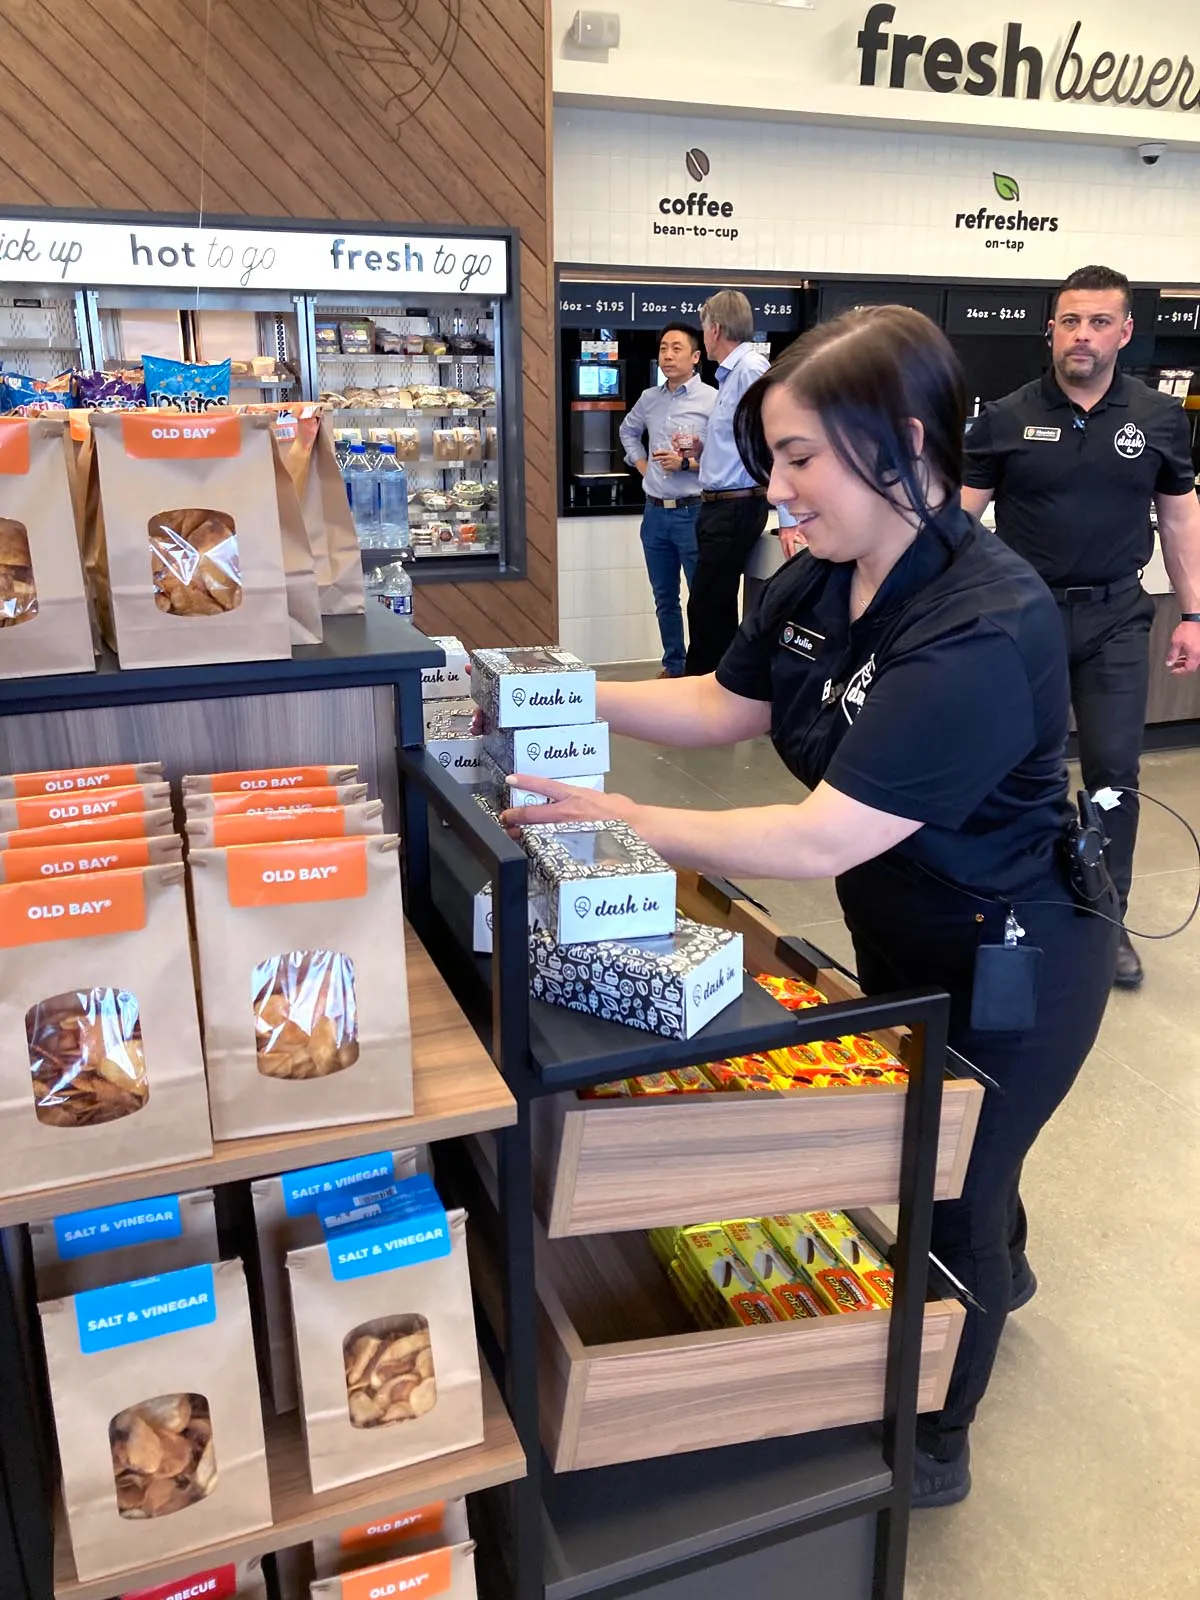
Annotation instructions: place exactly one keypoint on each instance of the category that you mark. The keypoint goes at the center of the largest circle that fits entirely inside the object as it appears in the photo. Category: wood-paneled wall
(433, 111)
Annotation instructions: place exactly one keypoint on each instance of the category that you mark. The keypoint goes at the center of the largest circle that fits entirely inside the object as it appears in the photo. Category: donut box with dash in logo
(590, 881)
(672, 986)
(536, 687)
(451, 682)
(579, 750)
(451, 740)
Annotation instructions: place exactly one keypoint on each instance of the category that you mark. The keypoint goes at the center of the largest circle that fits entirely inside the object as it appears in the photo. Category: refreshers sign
(70, 250)
(1021, 70)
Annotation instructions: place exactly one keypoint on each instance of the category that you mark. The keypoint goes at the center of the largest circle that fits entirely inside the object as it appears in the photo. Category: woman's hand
(791, 541)
(567, 804)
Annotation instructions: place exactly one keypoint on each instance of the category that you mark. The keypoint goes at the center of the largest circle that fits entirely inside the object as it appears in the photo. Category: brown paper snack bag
(43, 810)
(303, 980)
(75, 780)
(115, 1244)
(299, 564)
(156, 1409)
(45, 623)
(125, 825)
(322, 822)
(285, 1215)
(404, 1532)
(70, 860)
(184, 539)
(389, 1369)
(243, 1580)
(448, 1571)
(258, 802)
(100, 1064)
(312, 462)
(267, 778)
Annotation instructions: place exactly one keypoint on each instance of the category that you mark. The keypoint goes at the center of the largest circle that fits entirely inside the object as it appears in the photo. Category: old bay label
(323, 822)
(87, 1233)
(81, 424)
(415, 1523)
(38, 810)
(257, 802)
(308, 869)
(115, 777)
(14, 446)
(413, 1575)
(128, 1313)
(126, 825)
(177, 436)
(77, 908)
(68, 861)
(218, 1583)
(270, 778)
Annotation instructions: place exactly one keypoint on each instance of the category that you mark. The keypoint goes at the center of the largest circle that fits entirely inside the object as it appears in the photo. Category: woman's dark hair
(866, 374)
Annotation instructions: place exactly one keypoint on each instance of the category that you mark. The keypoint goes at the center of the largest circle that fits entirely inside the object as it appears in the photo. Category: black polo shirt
(1073, 487)
(946, 702)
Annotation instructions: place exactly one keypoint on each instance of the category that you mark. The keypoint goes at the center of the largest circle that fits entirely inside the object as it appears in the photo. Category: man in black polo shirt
(1074, 461)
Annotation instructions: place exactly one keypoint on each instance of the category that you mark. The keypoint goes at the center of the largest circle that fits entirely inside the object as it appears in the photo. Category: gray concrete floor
(1087, 1449)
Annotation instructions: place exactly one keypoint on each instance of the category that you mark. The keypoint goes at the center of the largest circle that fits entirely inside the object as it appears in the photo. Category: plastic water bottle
(362, 491)
(392, 587)
(393, 500)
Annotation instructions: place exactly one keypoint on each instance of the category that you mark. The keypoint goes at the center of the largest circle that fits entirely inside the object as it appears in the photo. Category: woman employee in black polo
(911, 671)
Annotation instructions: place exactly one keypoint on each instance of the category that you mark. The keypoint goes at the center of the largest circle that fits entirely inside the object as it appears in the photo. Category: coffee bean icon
(697, 164)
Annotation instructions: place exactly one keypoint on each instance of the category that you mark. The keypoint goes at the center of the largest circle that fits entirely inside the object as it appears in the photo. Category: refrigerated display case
(410, 336)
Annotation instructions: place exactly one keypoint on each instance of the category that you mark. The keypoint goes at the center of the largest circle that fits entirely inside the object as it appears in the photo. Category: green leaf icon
(1006, 188)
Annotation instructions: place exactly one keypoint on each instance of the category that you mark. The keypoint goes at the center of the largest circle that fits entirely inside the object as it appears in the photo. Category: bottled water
(362, 491)
(393, 500)
(392, 586)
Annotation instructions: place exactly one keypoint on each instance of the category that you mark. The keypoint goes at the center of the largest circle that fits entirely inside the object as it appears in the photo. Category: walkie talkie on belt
(1083, 849)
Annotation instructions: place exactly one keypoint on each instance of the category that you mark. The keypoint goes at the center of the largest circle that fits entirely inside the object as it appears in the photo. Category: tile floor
(1087, 1451)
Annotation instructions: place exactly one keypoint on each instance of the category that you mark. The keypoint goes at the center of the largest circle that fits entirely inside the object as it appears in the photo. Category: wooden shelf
(301, 1515)
(457, 1091)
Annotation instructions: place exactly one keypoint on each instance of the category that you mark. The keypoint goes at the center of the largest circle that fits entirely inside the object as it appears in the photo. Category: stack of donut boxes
(605, 935)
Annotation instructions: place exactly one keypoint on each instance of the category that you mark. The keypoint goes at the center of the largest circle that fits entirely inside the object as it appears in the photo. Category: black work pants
(906, 936)
(1108, 646)
(726, 533)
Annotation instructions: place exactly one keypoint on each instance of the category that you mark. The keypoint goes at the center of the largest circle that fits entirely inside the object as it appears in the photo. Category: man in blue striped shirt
(674, 418)
(734, 509)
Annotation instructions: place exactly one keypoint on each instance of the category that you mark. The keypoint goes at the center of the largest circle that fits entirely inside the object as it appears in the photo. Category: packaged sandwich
(286, 1216)
(184, 539)
(156, 1409)
(385, 1337)
(321, 822)
(76, 780)
(100, 1064)
(115, 1244)
(302, 974)
(45, 621)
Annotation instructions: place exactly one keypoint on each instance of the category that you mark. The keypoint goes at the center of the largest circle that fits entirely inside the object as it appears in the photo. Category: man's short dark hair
(1095, 278)
(693, 334)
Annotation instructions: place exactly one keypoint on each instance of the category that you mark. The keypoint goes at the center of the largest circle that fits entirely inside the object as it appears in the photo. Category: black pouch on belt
(1004, 994)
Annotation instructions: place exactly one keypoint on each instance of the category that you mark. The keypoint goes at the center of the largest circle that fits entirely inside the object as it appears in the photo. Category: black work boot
(1129, 972)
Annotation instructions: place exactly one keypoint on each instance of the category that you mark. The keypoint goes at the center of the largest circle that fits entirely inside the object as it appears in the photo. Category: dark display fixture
(838, 297)
(1178, 316)
(649, 305)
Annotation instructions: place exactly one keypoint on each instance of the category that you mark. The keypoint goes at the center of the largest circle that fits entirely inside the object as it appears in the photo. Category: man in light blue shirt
(734, 509)
(674, 417)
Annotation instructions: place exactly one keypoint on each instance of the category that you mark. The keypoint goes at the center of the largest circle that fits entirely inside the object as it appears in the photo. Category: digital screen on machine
(597, 381)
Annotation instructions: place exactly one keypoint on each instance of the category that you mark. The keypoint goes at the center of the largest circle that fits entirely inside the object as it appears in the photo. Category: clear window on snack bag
(86, 1057)
(305, 1014)
(445, 445)
(194, 563)
(18, 593)
(389, 1371)
(163, 1455)
(408, 444)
